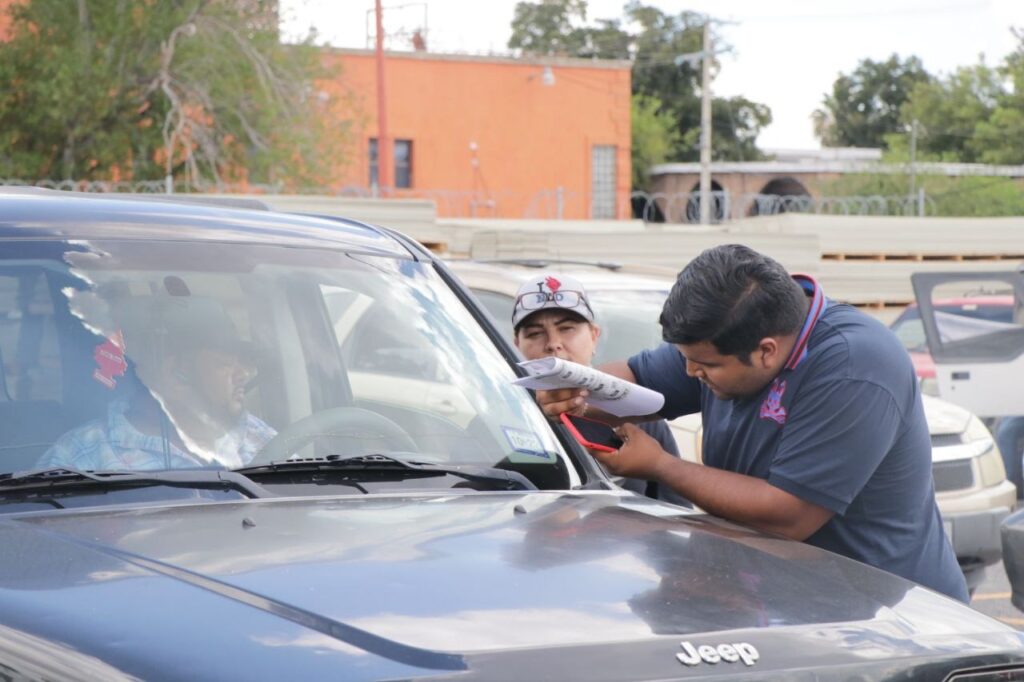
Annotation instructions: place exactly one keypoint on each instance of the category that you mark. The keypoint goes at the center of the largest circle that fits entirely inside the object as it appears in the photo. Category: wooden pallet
(921, 257)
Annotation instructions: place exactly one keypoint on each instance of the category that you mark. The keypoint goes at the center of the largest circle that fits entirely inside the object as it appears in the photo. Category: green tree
(865, 105)
(668, 88)
(200, 89)
(659, 72)
(973, 115)
(548, 27)
(948, 111)
(654, 137)
(977, 196)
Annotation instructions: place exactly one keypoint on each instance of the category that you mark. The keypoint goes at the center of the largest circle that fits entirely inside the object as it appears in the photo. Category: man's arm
(744, 499)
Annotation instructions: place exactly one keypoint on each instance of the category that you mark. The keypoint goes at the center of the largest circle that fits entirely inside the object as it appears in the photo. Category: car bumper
(975, 536)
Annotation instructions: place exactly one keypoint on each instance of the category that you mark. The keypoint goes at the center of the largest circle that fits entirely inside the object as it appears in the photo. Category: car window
(629, 321)
(910, 332)
(500, 308)
(198, 355)
(28, 341)
(953, 320)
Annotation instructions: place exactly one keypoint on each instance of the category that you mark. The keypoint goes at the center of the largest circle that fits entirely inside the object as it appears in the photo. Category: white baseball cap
(550, 291)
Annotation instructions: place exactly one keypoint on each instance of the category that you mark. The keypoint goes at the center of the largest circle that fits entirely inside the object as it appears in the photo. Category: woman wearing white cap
(552, 316)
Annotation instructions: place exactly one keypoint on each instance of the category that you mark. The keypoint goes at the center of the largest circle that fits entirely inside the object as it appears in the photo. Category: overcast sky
(786, 54)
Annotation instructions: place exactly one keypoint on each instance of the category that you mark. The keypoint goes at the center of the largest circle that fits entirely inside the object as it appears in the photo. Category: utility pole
(913, 158)
(383, 143)
(705, 126)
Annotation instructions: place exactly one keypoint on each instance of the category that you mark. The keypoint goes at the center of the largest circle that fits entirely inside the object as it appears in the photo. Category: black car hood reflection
(477, 572)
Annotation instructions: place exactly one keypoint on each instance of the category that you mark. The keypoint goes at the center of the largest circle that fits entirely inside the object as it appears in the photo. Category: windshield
(144, 355)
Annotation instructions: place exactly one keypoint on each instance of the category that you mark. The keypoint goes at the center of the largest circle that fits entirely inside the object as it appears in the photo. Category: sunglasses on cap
(535, 300)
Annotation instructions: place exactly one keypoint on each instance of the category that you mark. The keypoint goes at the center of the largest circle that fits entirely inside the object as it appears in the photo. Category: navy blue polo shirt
(843, 427)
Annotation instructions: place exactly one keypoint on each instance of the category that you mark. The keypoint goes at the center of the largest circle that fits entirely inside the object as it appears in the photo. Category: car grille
(953, 475)
(941, 440)
(995, 674)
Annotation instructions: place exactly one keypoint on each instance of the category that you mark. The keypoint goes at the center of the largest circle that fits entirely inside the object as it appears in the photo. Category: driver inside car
(185, 402)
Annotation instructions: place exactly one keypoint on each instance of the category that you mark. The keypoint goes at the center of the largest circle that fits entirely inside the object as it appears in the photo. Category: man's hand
(554, 403)
(640, 456)
(745, 499)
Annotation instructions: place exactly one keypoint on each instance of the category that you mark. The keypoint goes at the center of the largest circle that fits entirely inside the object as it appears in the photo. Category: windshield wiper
(376, 463)
(66, 477)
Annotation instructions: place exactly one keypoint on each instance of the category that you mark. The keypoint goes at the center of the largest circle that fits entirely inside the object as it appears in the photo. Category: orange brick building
(492, 136)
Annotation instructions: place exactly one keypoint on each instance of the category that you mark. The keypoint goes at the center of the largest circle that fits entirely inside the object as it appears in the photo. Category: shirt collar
(123, 434)
(817, 305)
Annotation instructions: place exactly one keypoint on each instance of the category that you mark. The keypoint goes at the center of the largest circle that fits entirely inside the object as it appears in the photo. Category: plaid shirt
(115, 444)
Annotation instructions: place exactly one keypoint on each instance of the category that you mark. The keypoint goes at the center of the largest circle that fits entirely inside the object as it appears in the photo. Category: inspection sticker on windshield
(526, 443)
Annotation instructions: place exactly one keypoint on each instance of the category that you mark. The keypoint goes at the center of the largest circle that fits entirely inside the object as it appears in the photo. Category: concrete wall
(735, 184)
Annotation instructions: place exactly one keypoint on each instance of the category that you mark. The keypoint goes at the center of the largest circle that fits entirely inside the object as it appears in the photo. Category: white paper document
(611, 394)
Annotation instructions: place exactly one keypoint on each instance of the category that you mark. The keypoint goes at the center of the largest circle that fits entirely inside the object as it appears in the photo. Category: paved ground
(993, 598)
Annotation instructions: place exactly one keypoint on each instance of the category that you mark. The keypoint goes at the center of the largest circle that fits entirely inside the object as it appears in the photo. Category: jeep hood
(403, 584)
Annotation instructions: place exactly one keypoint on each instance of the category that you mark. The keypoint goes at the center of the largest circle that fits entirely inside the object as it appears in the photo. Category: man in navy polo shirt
(813, 422)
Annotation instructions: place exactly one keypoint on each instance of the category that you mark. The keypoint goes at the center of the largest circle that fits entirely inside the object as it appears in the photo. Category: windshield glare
(135, 355)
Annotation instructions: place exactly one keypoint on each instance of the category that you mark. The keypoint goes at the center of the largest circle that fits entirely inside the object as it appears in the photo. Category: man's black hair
(732, 296)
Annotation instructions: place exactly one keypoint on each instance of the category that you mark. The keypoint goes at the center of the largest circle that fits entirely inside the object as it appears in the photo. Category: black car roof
(51, 214)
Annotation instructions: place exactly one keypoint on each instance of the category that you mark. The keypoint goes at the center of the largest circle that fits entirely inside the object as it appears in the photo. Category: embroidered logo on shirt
(772, 407)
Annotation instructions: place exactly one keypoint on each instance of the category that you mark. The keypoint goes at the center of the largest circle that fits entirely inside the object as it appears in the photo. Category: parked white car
(970, 481)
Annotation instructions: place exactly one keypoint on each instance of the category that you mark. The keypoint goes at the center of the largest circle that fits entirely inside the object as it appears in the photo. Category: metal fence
(554, 203)
(684, 207)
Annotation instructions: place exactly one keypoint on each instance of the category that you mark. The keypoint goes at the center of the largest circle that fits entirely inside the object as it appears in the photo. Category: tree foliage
(978, 196)
(200, 89)
(865, 105)
(974, 115)
(654, 136)
(666, 89)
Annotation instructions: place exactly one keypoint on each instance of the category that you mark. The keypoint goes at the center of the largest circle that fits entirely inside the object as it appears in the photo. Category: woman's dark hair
(733, 297)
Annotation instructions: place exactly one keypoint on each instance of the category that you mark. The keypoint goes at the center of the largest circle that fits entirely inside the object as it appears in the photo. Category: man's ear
(596, 331)
(767, 354)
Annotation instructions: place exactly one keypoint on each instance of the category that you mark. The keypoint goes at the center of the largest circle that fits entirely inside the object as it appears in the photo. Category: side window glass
(910, 332)
(500, 308)
(28, 338)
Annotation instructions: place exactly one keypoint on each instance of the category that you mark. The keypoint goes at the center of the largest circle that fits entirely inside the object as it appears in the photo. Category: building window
(602, 181)
(402, 154)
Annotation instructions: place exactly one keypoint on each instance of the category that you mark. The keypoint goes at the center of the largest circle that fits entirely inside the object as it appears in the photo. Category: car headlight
(976, 430)
(990, 461)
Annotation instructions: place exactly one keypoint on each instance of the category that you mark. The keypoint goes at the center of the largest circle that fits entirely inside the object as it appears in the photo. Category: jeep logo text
(728, 653)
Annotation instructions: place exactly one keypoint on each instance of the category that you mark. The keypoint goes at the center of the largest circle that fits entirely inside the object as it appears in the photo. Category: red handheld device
(591, 433)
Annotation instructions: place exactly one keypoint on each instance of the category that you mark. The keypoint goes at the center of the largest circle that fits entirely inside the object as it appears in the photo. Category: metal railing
(555, 203)
(684, 207)
(552, 204)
